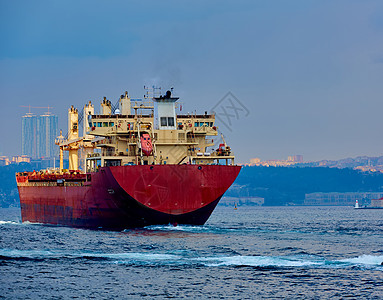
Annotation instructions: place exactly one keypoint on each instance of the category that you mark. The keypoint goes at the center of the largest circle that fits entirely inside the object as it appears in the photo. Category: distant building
(377, 202)
(254, 161)
(242, 201)
(22, 158)
(38, 135)
(4, 161)
(47, 132)
(369, 168)
(291, 160)
(295, 158)
(341, 198)
(29, 135)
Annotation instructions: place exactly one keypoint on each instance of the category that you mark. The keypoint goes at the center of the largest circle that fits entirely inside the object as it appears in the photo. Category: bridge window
(112, 163)
(167, 121)
(170, 121)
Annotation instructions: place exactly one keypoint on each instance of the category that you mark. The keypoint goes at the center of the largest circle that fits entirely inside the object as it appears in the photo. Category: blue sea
(248, 253)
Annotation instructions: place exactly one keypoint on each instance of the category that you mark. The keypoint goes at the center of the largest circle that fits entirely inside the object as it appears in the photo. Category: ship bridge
(143, 132)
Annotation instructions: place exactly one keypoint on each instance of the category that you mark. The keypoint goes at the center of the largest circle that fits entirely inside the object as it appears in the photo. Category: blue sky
(308, 72)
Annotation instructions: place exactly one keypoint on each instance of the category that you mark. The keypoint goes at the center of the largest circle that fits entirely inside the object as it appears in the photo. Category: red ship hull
(127, 196)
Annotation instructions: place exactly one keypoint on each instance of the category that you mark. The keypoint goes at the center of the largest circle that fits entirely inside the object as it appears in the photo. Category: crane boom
(29, 106)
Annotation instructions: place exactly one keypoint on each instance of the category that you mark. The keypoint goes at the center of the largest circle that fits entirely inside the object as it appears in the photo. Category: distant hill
(287, 185)
(9, 195)
(363, 163)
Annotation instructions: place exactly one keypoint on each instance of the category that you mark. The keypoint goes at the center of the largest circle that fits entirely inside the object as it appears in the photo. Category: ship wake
(183, 258)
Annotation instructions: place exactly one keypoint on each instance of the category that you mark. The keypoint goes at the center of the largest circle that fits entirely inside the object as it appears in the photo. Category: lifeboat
(146, 144)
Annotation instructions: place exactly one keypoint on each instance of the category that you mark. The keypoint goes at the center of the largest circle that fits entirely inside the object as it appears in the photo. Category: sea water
(248, 253)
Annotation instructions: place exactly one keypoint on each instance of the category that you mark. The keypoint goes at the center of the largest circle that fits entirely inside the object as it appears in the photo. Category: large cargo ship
(136, 164)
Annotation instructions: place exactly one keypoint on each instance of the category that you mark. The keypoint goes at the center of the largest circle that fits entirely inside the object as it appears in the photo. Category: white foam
(213, 261)
(9, 222)
(187, 228)
(27, 253)
(289, 261)
(258, 261)
(41, 254)
(133, 256)
(364, 260)
(32, 223)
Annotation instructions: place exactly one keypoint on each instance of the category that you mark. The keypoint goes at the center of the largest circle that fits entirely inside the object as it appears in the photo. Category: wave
(202, 229)
(11, 254)
(145, 258)
(186, 228)
(364, 260)
(259, 261)
(9, 222)
(216, 230)
(26, 223)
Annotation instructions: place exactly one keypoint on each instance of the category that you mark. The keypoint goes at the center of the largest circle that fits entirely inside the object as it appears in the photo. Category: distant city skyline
(306, 74)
